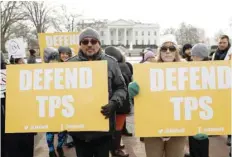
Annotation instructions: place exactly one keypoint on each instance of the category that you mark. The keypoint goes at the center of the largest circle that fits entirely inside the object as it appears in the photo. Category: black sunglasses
(165, 49)
(86, 42)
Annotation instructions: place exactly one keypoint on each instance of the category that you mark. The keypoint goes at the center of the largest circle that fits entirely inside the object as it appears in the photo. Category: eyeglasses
(86, 41)
(165, 49)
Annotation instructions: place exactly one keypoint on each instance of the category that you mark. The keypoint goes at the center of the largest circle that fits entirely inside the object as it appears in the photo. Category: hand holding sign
(108, 109)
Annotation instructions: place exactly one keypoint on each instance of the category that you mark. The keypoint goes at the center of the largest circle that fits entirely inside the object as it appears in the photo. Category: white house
(122, 32)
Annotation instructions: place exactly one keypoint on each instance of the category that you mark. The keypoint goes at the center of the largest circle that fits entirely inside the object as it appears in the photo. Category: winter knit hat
(89, 33)
(65, 49)
(54, 56)
(149, 54)
(200, 50)
(168, 38)
(186, 47)
(47, 52)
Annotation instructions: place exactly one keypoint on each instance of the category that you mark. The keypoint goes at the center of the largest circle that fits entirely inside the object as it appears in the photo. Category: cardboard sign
(16, 48)
(56, 97)
(183, 99)
(56, 40)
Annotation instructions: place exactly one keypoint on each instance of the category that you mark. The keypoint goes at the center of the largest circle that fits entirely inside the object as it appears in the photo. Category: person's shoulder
(73, 59)
(110, 58)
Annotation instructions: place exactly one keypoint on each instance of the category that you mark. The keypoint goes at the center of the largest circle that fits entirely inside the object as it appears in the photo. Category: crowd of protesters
(121, 88)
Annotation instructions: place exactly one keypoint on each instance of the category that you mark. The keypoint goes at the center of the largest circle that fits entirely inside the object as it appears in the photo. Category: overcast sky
(212, 15)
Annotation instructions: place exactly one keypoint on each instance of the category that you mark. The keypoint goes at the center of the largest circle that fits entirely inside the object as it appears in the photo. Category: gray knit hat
(89, 33)
(200, 50)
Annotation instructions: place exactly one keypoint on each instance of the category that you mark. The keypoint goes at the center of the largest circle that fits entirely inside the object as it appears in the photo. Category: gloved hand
(109, 109)
(133, 89)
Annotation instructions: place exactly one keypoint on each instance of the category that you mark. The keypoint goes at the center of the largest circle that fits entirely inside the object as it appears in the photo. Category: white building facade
(122, 32)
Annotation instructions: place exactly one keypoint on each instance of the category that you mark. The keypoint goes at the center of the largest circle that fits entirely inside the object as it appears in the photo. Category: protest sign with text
(16, 48)
(182, 99)
(56, 97)
(56, 40)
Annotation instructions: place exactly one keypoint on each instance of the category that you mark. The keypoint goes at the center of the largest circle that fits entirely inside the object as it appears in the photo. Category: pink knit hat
(149, 54)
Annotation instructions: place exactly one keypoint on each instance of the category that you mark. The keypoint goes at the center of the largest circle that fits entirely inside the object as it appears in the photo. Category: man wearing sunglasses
(97, 144)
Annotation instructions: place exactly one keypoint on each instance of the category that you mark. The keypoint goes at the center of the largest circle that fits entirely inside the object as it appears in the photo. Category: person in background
(125, 131)
(32, 58)
(163, 146)
(213, 49)
(54, 57)
(199, 144)
(149, 57)
(47, 52)
(65, 53)
(16, 60)
(186, 52)
(19, 144)
(224, 48)
(3, 101)
(122, 112)
(144, 51)
(223, 52)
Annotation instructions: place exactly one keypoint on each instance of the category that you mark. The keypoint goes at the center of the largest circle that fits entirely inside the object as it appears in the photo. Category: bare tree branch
(39, 15)
(11, 13)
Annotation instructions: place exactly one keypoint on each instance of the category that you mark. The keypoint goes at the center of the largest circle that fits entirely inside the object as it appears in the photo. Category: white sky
(212, 15)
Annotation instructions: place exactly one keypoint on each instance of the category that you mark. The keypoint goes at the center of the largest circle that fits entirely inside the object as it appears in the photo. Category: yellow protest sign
(55, 40)
(182, 99)
(56, 97)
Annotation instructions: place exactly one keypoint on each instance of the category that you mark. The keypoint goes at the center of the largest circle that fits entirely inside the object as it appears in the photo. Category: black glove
(109, 109)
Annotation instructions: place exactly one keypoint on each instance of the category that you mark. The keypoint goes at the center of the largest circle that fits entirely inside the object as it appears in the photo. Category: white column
(132, 36)
(108, 38)
(125, 37)
(116, 37)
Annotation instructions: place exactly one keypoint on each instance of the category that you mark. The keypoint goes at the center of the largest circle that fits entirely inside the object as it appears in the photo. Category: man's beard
(89, 54)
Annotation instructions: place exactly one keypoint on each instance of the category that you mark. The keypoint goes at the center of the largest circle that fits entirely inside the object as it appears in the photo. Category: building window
(136, 42)
(112, 42)
(155, 42)
(119, 33)
(136, 33)
(112, 33)
(149, 34)
(149, 42)
(142, 42)
(127, 42)
(102, 42)
(102, 33)
(155, 33)
(142, 33)
(127, 33)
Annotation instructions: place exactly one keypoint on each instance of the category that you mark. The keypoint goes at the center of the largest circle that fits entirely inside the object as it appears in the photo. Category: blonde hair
(177, 55)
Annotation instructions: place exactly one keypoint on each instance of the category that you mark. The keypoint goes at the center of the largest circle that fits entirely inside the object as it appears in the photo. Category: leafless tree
(188, 34)
(169, 31)
(39, 14)
(11, 14)
(217, 35)
(70, 20)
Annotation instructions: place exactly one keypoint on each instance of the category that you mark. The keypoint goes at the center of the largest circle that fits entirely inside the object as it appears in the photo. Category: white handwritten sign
(16, 48)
